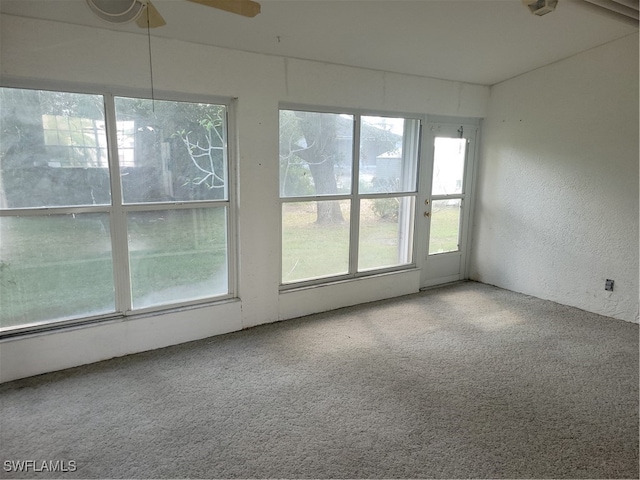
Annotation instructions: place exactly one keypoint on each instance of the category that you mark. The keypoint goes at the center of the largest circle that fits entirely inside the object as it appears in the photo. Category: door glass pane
(386, 232)
(445, 226)
(315, 153)
(55, 267)
(388, 155)
(177, 255)
(448, 165)
(313, 247)
(53, 149)
(171, 151)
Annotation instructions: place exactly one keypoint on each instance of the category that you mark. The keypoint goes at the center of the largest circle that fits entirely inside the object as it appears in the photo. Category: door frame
(428, 264)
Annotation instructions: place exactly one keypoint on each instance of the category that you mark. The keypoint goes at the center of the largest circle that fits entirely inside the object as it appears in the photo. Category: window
(90, 231)
(447, 194)
(348, 185)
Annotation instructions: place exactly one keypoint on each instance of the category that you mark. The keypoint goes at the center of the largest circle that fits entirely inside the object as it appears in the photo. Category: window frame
(462, 196)
(355, 198)
(117, 209)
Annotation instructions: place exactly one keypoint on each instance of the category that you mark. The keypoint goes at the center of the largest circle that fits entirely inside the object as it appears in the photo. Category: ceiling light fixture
(540, 7)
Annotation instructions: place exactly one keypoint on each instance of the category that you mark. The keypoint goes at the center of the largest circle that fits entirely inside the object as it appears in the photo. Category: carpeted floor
(463, 381)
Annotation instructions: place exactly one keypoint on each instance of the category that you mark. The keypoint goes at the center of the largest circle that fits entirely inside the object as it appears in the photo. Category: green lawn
(445, 224)
(56, 267)
(52, 267)
(310, 250)
(60, 266)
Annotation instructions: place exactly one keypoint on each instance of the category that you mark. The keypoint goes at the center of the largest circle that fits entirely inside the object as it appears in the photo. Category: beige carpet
(464, 381)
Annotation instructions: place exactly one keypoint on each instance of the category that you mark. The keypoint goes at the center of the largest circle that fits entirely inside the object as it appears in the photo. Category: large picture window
(109, 205)
(348, 185)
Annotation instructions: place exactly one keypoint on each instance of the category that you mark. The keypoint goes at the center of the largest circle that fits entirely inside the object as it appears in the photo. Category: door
(446, 209)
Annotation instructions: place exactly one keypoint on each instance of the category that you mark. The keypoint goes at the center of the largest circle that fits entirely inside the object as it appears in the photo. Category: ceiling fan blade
(245, 8)
(154, 18)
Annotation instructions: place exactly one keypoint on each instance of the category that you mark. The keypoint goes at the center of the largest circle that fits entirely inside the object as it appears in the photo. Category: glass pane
(315, 153)
(448, 165)
(386, 232)
(177, 255)
(388, 155)
(313, 246)
(445, 226)
(171, 151)
(53, 149)
(55, 267)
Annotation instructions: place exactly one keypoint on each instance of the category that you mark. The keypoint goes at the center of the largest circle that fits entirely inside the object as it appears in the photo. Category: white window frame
(355, 197)
(117, 209)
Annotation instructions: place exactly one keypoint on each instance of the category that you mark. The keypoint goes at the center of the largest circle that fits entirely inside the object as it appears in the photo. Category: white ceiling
(477, 41)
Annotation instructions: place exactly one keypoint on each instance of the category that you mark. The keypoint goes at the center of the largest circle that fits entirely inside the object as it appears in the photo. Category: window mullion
(453, 196)
(410, 163)
(355, 198)
(120, 247)
(317, 198)
(42, 211)
(150, 207)
(231, 208)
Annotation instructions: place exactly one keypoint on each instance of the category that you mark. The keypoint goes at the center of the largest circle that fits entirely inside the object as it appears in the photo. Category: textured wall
(557, 198)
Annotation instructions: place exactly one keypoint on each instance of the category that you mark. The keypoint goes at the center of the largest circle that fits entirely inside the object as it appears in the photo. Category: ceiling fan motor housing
(118, 11)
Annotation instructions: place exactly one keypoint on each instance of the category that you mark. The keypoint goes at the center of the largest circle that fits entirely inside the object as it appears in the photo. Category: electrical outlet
(608, 285)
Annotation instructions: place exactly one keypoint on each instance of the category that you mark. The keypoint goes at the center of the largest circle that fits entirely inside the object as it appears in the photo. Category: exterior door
(446, 209)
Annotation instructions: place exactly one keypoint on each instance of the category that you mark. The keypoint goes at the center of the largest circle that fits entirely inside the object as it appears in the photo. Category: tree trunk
(328, 212)
(320, 135)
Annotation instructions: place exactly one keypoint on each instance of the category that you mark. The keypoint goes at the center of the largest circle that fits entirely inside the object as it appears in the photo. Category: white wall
(557, 194)
(46, 54)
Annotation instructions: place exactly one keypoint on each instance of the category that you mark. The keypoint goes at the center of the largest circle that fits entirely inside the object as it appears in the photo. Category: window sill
(75, 324)
(290, 288)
